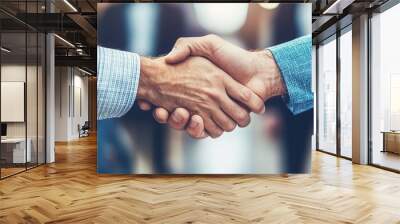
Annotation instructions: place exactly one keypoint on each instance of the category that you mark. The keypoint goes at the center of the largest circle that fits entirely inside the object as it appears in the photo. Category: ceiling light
(84, 71)
(221, 18)
(5, 50)
(65, 41)
(70, 5)
(269, 6)
(337, 7)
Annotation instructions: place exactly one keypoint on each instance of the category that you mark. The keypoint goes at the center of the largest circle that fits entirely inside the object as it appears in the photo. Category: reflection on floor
(387, 159)
(70, 191)
(8, 170)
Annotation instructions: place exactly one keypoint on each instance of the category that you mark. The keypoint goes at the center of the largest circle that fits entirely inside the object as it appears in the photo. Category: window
(346, 93)
(327, 96)
(385, 89)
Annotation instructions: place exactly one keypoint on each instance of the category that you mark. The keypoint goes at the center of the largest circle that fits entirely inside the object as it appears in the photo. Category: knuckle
(217, 96)
(214, 94)
(245, 95)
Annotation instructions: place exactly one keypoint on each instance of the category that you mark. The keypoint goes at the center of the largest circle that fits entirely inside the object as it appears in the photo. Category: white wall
(70, 83)
(33, 126)
(61, 103)
(12, 73)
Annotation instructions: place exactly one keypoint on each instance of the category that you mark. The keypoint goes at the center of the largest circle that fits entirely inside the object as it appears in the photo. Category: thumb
(178, 54)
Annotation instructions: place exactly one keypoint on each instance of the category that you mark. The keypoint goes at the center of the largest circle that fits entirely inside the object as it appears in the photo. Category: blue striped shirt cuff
(294, 61)
(117, 82)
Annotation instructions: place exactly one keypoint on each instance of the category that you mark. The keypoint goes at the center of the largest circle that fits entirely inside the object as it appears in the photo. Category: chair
(84, 130)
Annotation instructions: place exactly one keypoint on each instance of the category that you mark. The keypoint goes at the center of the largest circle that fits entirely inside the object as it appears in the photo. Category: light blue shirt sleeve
(118, 75)
(294, 61)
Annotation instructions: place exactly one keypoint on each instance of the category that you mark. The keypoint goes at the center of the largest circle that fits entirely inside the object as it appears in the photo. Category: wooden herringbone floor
(70, 191)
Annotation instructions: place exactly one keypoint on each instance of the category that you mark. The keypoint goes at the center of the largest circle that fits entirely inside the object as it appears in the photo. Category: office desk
(15, 148)
(391, 141)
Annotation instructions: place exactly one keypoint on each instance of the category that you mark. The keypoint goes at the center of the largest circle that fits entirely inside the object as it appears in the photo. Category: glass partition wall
(335, 125)
(13, 90)
(22, 98)
(334, 94)
(385, 89)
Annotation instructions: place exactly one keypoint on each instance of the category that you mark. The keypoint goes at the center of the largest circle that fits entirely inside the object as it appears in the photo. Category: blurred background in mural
(135, 143)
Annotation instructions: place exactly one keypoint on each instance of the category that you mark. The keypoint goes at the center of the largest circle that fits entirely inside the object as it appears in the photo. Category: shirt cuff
(294, 61)
(117, 82)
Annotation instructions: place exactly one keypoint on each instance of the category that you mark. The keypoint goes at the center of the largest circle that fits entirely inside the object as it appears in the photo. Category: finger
(196, 127)
(244, 95)
(143, 105)
(223, 121)
(178, 54)
(179, 118)
(236, 112)
(211, 127)
(192, 46)
(161, 115)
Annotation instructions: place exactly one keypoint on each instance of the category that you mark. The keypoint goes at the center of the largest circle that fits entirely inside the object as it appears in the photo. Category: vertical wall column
(50, 91)
(50, 98)
(360, 90)
(92, 100)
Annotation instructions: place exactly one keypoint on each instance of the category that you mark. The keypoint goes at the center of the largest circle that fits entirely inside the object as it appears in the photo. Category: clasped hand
(207, 85)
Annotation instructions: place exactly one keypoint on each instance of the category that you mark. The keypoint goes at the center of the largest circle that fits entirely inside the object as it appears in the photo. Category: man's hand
(202, 88)
(256, 70)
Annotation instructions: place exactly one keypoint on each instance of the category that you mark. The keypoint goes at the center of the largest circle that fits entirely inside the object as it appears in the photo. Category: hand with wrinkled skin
(256, 70)
(203, 89)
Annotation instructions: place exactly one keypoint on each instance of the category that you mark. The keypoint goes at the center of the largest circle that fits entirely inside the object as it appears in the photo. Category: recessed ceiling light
(70, 5)
(269, 6)
(84, 71)
(65, 41)
(5, 50)
(337, 7)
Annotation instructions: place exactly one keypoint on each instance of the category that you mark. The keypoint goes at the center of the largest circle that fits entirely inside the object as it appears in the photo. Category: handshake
(207, 85)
